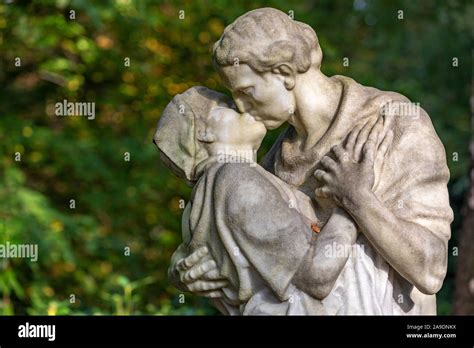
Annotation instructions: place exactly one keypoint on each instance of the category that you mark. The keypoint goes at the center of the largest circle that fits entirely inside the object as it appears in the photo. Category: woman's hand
(197, 273)
(349, 176)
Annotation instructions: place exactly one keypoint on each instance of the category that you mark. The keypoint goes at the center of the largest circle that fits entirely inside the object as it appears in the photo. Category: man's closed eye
(247, 91)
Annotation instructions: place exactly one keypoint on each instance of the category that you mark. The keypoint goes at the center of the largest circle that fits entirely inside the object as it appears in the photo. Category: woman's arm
(196, 272)
(258, 218)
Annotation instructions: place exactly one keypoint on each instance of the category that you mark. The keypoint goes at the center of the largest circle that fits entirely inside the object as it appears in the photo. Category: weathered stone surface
(347, 214)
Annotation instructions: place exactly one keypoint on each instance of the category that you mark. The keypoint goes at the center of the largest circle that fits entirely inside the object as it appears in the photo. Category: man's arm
(412, 250)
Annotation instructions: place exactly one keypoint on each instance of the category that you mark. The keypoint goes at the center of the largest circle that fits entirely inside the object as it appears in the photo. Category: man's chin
(272, 124)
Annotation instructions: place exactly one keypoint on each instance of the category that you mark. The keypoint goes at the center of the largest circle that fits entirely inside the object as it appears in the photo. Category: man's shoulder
(405, 116)
(409, 121)
(411, 124)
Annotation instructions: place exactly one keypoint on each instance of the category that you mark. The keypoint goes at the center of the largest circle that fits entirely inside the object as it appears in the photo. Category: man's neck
(317, 98)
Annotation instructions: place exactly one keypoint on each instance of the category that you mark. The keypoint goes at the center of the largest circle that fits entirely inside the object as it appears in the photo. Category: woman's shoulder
(242, 181)
(237, 172)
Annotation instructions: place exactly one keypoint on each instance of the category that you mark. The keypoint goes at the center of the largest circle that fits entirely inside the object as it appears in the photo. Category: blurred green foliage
(134, 204)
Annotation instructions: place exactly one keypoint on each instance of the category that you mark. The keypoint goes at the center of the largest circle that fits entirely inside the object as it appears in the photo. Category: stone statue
(347, 214)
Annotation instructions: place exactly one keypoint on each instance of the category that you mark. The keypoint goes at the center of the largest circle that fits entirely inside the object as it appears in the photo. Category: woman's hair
(178, 126)
(267, 37)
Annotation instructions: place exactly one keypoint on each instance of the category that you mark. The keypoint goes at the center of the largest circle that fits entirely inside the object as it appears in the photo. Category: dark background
(135, 204)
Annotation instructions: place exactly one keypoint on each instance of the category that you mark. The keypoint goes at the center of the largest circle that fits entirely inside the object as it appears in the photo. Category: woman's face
(233, 128)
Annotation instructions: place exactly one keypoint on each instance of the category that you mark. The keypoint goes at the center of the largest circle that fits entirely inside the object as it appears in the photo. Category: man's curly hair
(265, 38)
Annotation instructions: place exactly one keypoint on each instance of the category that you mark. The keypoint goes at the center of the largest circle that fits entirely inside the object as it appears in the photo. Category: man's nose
(243, 105)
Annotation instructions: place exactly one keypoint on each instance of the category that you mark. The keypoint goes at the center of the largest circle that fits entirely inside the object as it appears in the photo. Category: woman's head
(199, 122)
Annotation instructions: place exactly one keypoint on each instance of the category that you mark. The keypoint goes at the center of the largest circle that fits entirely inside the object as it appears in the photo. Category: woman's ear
(288, 74)
(205, 136)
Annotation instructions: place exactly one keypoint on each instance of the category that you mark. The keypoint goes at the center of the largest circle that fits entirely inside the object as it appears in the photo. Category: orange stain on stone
(315, 228)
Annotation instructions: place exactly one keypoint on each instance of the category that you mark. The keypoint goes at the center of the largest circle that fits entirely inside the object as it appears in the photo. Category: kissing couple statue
(348, 213)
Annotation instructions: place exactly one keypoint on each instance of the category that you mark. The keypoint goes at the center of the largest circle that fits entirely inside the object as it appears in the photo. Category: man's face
(232, 128)
(263, 95)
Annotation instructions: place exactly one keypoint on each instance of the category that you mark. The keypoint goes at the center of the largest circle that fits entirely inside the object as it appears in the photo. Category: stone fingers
(351, 140)
(323, 192)
(198, 271)
(213, 274)
(385, 144)
(201, 285)
(210, 294)
(328, 163)
(361, 139)
(188, 262)
(322, 176)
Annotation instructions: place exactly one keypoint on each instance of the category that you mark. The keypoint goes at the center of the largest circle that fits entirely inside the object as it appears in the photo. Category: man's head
(259, 57)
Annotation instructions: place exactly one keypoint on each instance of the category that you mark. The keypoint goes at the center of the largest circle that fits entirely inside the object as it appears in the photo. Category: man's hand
(416, 252)
(197, 273)
(350, 175)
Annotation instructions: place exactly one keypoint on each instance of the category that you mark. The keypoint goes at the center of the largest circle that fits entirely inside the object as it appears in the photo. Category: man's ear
(288, 74)
(205, 136)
